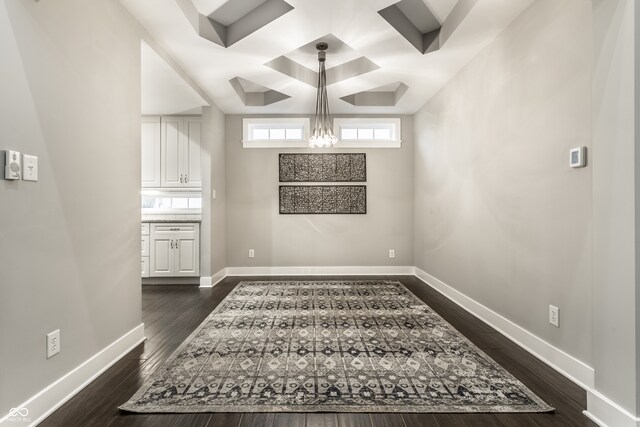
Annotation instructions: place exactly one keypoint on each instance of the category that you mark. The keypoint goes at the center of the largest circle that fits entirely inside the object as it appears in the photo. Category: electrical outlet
(252, 253)
(392, 253)
(53, 343)
(554, 316)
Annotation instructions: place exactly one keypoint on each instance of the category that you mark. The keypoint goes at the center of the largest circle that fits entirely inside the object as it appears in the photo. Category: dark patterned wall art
(351, 167)
(323, 199)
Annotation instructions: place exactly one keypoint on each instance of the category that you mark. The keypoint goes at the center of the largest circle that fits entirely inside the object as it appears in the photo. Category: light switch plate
(29, 168)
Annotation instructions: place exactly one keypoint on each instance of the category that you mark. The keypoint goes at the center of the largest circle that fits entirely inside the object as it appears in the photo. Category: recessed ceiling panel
(232, 11)
(414, 21)
(254, 95)
(235, 19)
(343, 62)
(419, 15)
(383, 96)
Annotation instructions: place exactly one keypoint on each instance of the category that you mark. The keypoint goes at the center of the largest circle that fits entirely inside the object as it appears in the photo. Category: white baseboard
(210, 282)
(55, 395)
(321, 271)
(572, 368)
(605, 412)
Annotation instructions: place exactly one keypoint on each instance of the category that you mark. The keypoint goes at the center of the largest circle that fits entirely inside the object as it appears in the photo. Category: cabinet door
(150, 154)
(188, 250)
(145, 246)
(187, 257)
(191, 154)
(144, 269)
(162, 257)
(171, 152)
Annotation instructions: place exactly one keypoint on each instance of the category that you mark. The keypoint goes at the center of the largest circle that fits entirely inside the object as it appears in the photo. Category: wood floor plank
(354, 420)
(322, 420)
(289, 420)
(171, 313)
(419, 420)
(222, 419)
(193, 420)
(144, 420)
(257, 420)
(387, 420)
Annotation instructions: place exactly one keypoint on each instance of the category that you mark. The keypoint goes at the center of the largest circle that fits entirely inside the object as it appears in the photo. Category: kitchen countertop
(171, 218)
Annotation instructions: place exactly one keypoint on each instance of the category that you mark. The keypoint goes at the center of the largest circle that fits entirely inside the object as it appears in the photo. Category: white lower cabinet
(174, 250)
(144, 249)
(145, 266)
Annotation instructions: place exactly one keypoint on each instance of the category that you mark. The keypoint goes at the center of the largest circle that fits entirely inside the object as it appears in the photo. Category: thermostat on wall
(578, 157)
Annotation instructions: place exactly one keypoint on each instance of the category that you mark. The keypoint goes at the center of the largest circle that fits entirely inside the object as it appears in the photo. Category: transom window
(275, 132)
(368, 133)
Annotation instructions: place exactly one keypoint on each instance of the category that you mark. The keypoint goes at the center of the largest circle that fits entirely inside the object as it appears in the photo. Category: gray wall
(253, 220)
(494, 192)
(70, 243)
(615, 201)
(214, 256)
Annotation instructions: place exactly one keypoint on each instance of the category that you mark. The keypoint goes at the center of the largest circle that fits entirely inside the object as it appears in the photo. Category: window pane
(276, 134)
(294, 134)
(163, 202)
(365, 133)
(382, 134)
(349, 134)
(180, 203)
(260, 134)
(148, 202)
(195, 203)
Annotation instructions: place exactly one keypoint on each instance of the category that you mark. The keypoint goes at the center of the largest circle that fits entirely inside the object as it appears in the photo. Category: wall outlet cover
(252, 253)
(554, 316)
(53, 343)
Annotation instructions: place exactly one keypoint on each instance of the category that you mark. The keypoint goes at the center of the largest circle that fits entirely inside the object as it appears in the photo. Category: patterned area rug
(318, 346)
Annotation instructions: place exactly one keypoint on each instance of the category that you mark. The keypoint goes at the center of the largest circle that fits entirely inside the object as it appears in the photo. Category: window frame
(248, 123)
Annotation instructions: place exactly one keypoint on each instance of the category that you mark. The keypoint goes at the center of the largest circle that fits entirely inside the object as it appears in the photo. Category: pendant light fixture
(322, 135)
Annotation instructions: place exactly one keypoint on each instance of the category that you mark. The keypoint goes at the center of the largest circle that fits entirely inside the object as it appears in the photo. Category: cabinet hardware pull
(181, 179)
(186, 178)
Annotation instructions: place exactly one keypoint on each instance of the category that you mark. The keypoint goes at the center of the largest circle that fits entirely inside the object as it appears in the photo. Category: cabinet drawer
(145, 266)
(145, 228)
(184, 227)
(145, 246)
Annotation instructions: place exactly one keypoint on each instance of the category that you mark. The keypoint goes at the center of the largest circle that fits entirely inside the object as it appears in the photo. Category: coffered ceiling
(384, 56)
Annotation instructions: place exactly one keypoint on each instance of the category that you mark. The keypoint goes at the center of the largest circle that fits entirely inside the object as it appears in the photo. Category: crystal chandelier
(322, 136)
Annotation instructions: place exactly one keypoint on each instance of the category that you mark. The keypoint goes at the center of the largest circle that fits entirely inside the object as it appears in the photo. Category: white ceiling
(163, 89)
(354, 22)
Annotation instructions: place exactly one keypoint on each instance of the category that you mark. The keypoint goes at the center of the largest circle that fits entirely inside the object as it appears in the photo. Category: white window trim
(275, 143)
(396, 142)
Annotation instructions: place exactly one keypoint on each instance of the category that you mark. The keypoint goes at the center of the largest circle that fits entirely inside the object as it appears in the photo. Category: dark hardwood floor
(171, 313)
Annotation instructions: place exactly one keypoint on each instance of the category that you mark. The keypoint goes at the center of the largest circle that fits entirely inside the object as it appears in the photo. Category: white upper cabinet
(150, 152)
(192, 168)
(171, 153)
(177, 163)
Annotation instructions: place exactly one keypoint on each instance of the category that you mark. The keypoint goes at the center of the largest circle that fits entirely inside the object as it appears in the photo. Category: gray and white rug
(318, 346)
